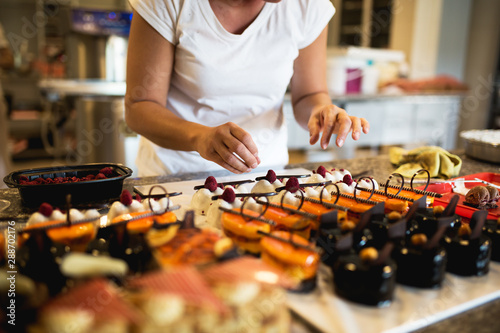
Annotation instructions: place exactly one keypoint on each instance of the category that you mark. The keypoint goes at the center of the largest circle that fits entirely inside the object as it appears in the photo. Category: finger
(344, 123)
(215, 157)
(314, 130)
(366, 125)
(329, 122)
(244, 146)
(230, 159)
(356, 127)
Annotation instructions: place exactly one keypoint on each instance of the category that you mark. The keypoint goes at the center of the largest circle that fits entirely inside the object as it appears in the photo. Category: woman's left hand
(330, 119)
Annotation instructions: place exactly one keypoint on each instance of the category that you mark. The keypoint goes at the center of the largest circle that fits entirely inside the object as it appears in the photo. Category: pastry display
(227, 200)
(469, 251)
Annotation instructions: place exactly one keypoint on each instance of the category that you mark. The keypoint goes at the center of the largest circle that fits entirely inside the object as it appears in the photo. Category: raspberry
(90, 177)
(138, 197)
(292, 185)
(126, 198)
(271, 176)
(99, 176)
(211, 184)
(228, 195)
(347, 179)
(333, 169)
(107, 171)
(23, 178)
(45, 209)
(322, 171)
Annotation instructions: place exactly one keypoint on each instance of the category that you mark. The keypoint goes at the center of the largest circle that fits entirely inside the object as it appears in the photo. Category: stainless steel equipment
(482, 144)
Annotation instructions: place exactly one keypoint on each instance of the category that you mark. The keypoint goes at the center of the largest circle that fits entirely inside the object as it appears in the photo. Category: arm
(6, 58)
(150, 62)
(312, 106)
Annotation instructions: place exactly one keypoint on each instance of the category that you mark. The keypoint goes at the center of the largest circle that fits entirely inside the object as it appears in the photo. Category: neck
(236, 15)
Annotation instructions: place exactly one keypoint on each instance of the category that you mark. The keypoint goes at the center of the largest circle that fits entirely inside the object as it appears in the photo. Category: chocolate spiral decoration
(356, 188)
(418, 172)
(260, 215)
(167, 195)
(389, 179)
(301, 199)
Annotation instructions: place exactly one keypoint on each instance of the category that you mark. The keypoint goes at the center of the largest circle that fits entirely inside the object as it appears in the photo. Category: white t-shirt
(220, 77)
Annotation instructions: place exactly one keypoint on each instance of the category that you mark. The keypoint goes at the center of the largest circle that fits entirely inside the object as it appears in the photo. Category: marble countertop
(480, 319)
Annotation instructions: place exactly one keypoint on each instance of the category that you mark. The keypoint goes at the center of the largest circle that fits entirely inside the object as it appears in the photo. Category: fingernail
(254, 165)
(356, 135)
(340, 142)
(324, 145)
(248, 170)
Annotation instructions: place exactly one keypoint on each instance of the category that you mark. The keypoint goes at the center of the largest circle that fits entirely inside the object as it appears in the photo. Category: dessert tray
(412, 308)
(463, 210)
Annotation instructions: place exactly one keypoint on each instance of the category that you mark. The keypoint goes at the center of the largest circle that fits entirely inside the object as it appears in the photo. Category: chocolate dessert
(469, 251)
(368, 278)
(491, 229)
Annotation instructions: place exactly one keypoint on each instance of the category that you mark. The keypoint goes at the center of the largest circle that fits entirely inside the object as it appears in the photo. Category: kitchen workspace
(249, 166)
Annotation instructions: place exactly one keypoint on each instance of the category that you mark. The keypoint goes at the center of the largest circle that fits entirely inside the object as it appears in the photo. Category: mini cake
(292, 255)
(203, 197)
(244, 231)
(368, 183)
(268, 184)
(227, 200)
(368, 278)
(288, 195)
(491, 229)
(469, 251)
(321, 175)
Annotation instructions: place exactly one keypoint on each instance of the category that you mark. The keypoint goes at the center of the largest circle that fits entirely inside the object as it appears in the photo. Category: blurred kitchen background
(420, 71)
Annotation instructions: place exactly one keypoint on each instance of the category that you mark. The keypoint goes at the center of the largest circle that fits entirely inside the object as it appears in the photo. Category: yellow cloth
(439, 162)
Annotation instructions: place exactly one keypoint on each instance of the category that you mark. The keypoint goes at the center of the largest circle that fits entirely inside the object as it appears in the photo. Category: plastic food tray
(463, 210)
(92, 192)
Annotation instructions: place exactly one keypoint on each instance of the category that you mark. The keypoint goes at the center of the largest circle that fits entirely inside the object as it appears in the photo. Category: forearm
(303, 107)
(162, 126)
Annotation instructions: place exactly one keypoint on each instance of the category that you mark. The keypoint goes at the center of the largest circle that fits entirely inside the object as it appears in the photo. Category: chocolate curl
(389, 180)
(188, 222)
(450, 209)
(364, 189)
(442, 224)
(477, 222)
(415, 175)
(247, 217)
(366, 217)
(247, 195)
(265, 203)
(384, 253)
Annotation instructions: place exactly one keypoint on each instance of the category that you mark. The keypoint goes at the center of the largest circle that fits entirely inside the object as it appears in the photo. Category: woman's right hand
(229, 146)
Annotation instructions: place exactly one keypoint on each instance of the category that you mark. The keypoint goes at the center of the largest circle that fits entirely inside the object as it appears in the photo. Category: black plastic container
(90, 192)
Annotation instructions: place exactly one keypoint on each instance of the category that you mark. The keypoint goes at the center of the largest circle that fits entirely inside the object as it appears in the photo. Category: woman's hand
(330, 119)
(229, 146)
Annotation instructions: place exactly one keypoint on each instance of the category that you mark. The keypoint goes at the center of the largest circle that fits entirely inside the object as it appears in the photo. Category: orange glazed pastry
(243, 231)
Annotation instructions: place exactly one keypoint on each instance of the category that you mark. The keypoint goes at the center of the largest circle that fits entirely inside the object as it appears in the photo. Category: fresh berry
(126, 198)
(138, 197)
(99, 176)
(341, 170)
(23, 178)
(228, 195)
(211, 184)
(46, 209)
(347, 179)
(333, 169)
(90, 177)
(322, 171)
(271, 176)
(107, 171)
(292, 185)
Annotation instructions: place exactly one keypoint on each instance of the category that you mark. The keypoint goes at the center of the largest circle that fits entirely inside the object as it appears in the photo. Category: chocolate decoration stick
(284, 176)
(477, 222)
(260, 219)
(367, 216)
(236, 182)
(450, 209)
(384, 253)
(290, 210)
(442, 224)
(188, 222)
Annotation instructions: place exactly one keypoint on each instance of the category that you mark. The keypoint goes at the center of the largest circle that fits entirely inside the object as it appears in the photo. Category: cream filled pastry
(47, 213)
(292, 189)
(126, 205)
(203, 197)
(226, 200)
(267, 185)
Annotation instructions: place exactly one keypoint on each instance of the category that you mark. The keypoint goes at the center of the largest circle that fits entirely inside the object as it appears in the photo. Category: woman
(206, 81)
